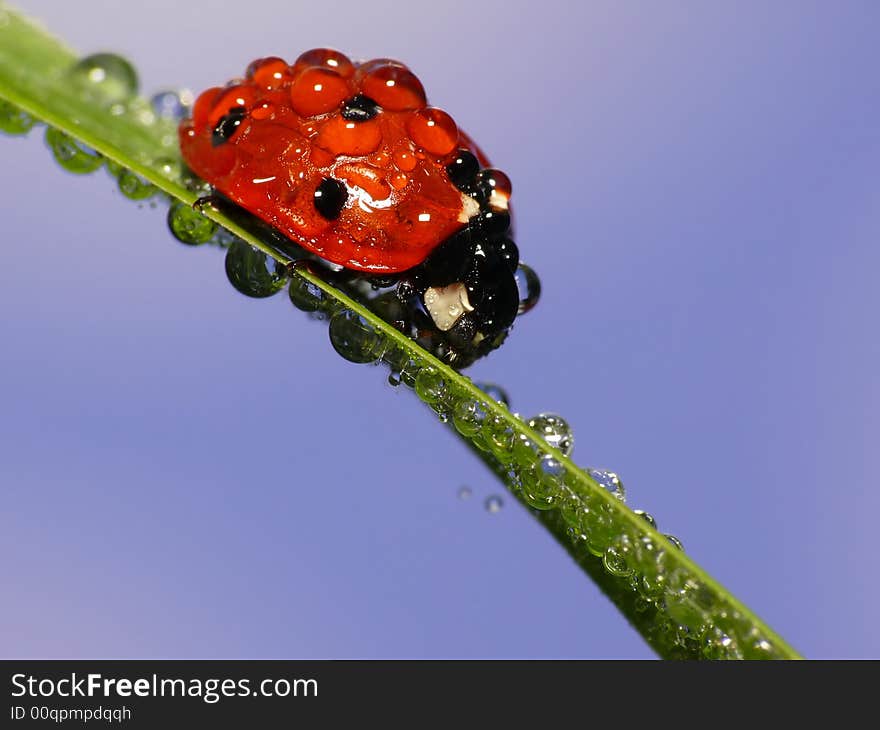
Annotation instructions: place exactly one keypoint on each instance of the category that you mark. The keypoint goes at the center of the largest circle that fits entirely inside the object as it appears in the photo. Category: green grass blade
(679, 609)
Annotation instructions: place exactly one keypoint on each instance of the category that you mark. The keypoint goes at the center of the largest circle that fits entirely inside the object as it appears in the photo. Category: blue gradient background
(189, 473)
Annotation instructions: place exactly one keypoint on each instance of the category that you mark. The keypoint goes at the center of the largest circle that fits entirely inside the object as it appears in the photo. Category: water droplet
(430, 386)
(495, 392)
(610, 481)
(71, 154)
(540, 484)
(304, 295)
(139, 109)
(554, 430)
(574, 511)
(599, 529)
(169, 168)
(524, 450)
(529, 286)
(134, 187)
(552, 468)
(354, 338)
(106, 76)
(652, 563)
(762, 646)
(175, 105)
(404, 368)
(465, 493)
(675, 542)
(647, 517)
(188, 225)
(499, 436)
(681, 607)
(689, 643)
(719, 644)
(493, 504)
(13, 120)
(615, 562)
(253, 272)
(468, 417)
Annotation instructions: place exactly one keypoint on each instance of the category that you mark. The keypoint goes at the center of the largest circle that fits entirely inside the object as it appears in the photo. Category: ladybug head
(467, 286)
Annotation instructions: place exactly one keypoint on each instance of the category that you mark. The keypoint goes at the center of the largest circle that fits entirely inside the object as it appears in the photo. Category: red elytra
(290, 134)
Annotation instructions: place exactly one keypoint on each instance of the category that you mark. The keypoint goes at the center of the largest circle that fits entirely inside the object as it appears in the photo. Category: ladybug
(349, 161)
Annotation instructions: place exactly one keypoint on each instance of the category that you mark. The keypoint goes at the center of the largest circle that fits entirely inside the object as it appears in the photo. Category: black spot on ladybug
(463, 169)
(330, 197)
(359, 108)
(228, 125)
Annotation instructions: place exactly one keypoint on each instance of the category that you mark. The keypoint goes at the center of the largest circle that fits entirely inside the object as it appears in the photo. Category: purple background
(189, 473)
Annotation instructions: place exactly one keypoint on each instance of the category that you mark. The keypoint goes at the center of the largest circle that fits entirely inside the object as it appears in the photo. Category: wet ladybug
(350, 162)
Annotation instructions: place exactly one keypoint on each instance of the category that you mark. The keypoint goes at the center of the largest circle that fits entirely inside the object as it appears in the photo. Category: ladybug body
(349, 161)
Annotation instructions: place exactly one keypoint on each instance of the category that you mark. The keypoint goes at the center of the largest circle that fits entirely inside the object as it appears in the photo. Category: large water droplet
(188, 225)
(554, 430)
(529, 286)
(13, 120)
(675, 542)
(105, 76)
(493, 504)
(253, 272)
(354, 338)
(71, 154)
(172, 104)
(134, 187)
(609, 481)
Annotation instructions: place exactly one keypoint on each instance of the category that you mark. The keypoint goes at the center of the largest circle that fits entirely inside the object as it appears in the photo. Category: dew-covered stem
(96, 120)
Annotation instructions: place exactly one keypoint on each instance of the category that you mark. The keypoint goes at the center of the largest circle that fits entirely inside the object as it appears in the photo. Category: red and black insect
(351, 163)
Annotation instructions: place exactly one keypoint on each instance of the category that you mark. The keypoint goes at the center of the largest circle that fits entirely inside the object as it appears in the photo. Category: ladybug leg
(212, 200)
